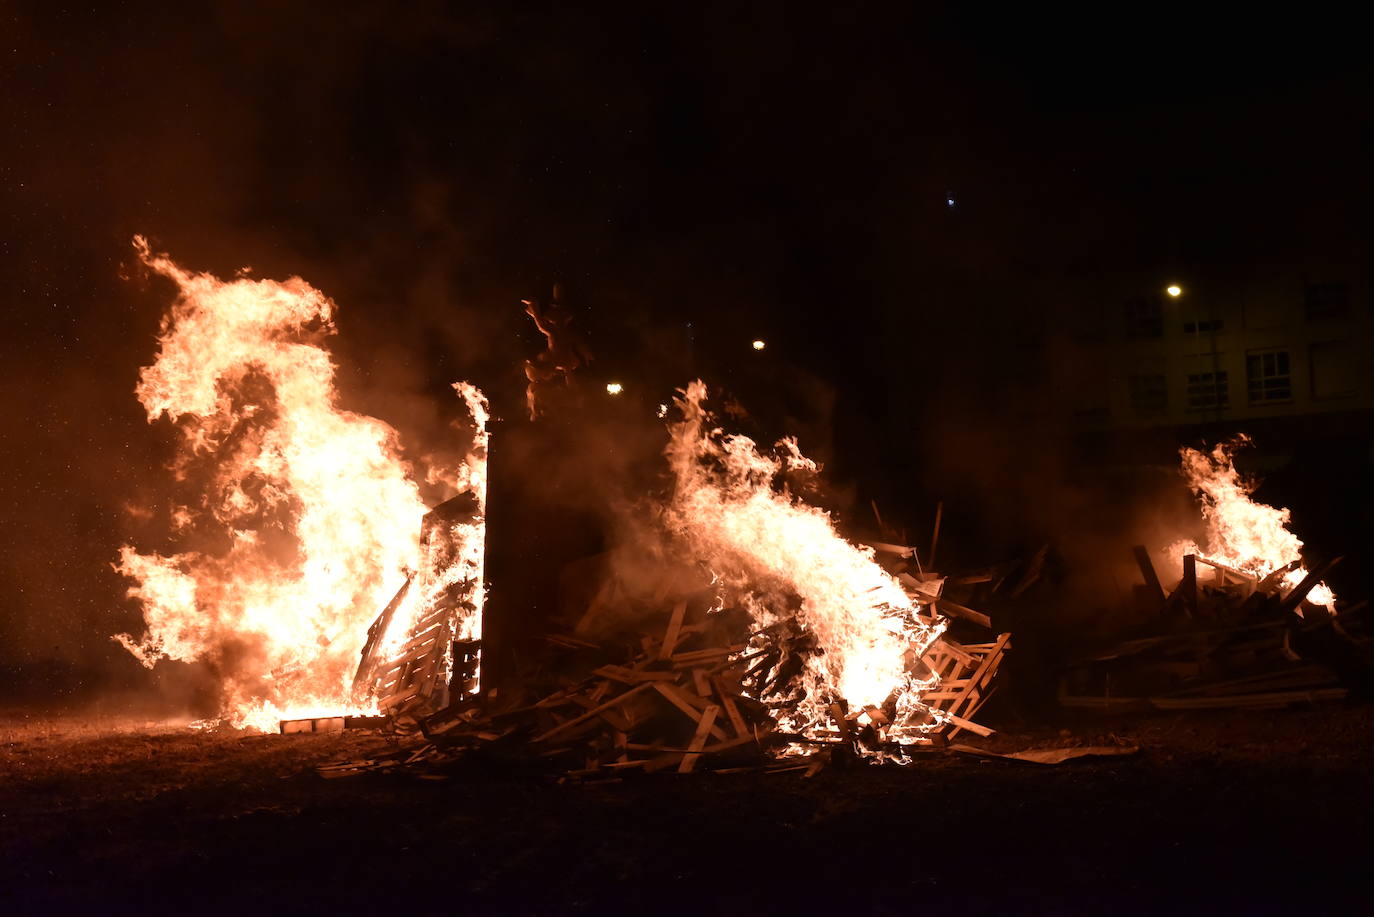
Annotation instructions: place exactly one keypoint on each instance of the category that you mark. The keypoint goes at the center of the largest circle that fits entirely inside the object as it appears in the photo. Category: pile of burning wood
(702, 694)
(1229, 639)
(1260, 630)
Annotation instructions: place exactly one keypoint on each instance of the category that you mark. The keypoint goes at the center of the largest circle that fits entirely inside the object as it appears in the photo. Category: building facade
(1274, 348)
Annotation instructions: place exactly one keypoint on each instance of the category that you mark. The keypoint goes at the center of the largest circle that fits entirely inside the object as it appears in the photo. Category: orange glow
(1241, 533)
(784, 560)
(299, 520)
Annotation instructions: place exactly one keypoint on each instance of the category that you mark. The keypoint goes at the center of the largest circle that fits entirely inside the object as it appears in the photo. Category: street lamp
(1174, 290)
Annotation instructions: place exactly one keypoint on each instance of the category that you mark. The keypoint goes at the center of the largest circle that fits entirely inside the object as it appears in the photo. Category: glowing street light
(759, 345)
(1173, 290)
(614, 388)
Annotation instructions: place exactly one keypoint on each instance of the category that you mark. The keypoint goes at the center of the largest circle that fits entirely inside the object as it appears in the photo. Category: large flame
(789, 562)
(1241, 534)
(304, 520)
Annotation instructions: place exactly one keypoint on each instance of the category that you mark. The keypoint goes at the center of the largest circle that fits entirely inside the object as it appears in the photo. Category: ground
(1260, 812)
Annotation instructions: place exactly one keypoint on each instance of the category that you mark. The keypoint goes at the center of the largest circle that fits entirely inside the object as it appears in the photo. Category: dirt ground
(1254, 812)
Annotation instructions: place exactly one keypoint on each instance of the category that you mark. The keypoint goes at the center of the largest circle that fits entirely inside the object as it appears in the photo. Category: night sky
(755, 170)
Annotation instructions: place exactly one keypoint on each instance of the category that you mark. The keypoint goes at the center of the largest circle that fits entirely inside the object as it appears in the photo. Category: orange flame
(309, 519)
(1241, 534)
(788, 561)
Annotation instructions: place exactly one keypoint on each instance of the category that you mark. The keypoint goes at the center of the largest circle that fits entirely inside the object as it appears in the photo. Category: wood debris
(1225, 639)
(699, 695)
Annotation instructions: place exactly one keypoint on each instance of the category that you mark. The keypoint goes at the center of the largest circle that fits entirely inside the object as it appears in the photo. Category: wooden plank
(1239, 574)
(1032, 574)
(935, 534)
(674, 626)
(679, 699)
(1274, 699)
(367, 673)
(727, 700)
(706, 750)
(1299, 592)
(837, 714)
(900, 550)
(1187, 588)
(663, 762)
(1275, 579)
(1147, 570)
(561, 727)
(970, 725)
(705, 657)
(983, 671)
(946, 645)
(708, 720)
(959, 611)
(632, 676)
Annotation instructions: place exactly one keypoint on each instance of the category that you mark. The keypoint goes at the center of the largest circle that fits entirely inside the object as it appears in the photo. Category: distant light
(1173, 289)
(759, 345)
(949, 202)
(663, 410)
(614, 388)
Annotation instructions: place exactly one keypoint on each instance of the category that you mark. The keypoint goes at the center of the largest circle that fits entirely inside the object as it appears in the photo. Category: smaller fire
(794, 573)
(1241, 534)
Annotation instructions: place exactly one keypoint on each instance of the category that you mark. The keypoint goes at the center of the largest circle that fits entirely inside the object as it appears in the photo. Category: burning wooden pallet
(691, 699)
(1234, 640)
(677, 704)
(967, 678)
(413, 651)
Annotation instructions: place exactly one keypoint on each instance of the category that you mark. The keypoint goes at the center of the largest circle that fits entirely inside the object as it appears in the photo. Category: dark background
(753, 170)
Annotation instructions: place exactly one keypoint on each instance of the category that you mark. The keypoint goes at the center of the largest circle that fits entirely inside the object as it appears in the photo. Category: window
(1208, 391)
(1144, 318)
(1204, 326)
(1149, 394)
(1326, 300)
(1267, 376)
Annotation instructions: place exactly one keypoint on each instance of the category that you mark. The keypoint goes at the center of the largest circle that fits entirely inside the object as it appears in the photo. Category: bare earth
(1253, 812)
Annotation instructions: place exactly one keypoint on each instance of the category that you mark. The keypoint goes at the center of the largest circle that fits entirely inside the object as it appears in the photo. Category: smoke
(429, 168)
